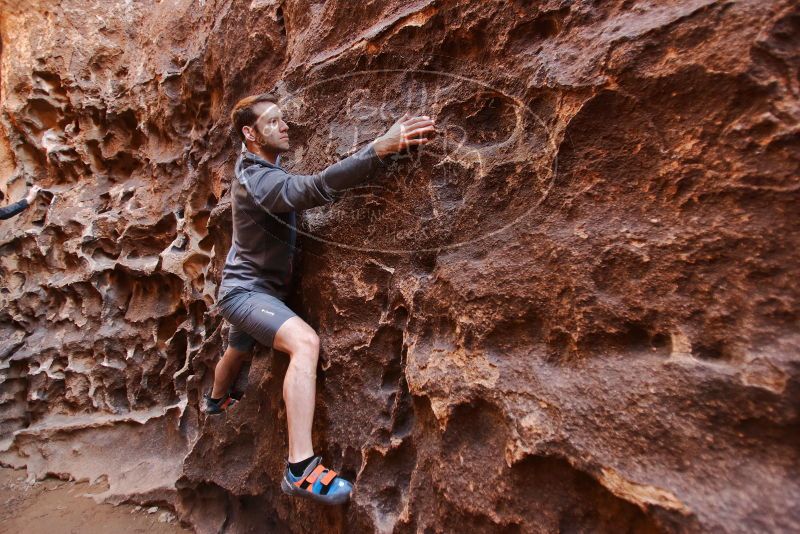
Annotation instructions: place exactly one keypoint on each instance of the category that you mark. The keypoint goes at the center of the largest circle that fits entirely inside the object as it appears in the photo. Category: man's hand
(407, 131)
(32, 192)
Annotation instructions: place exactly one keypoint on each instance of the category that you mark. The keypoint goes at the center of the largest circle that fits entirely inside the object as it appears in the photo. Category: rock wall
(575, 311)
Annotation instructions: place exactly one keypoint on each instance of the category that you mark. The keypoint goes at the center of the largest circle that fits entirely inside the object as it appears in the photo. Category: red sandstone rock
(576, 311)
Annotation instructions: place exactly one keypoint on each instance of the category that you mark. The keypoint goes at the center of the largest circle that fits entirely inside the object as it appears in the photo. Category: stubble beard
(266, 146)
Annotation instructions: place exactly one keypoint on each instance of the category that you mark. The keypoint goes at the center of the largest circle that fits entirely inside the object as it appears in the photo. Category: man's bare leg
(301, 343)
(226, 371)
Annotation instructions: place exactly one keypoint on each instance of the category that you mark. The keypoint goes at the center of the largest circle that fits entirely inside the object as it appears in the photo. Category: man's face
(270, 132)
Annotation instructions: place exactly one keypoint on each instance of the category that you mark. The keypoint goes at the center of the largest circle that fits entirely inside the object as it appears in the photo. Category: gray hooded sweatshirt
(264, 200)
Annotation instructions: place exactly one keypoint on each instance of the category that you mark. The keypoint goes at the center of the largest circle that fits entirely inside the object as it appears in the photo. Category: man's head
(258, 122)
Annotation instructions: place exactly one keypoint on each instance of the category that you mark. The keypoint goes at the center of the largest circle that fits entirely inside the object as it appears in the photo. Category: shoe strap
(320, 474)
(311, 477)
(309, 472)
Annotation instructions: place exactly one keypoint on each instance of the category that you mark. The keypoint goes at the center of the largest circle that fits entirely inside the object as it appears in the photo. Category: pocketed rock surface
(576, 310)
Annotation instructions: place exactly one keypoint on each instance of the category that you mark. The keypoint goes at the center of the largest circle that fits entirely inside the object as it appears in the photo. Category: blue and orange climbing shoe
(214, 407)
(317, 483)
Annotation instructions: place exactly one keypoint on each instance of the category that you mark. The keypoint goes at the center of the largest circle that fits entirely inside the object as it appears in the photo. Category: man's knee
(295, 337)
(305, 353)
(307, 342)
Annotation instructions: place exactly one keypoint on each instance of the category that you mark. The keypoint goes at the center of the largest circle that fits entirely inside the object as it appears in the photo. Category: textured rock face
(576, 311)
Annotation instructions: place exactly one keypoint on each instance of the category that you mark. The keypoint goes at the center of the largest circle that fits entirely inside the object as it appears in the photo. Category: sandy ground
(54, 506)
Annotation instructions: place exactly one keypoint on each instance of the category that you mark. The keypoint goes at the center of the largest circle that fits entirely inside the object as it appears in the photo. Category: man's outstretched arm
(12, 209)
(279, 191)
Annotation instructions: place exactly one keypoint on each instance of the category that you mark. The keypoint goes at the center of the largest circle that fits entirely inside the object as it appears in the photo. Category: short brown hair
(244, 114)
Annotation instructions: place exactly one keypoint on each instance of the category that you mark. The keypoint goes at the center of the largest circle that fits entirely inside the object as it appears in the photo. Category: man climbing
(20, 206)
(257, 272)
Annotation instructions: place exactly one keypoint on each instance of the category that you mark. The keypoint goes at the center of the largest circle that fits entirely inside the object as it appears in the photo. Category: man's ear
(248, 133)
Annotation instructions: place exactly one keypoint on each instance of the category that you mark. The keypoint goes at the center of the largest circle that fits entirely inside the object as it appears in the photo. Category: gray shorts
(254, 316)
